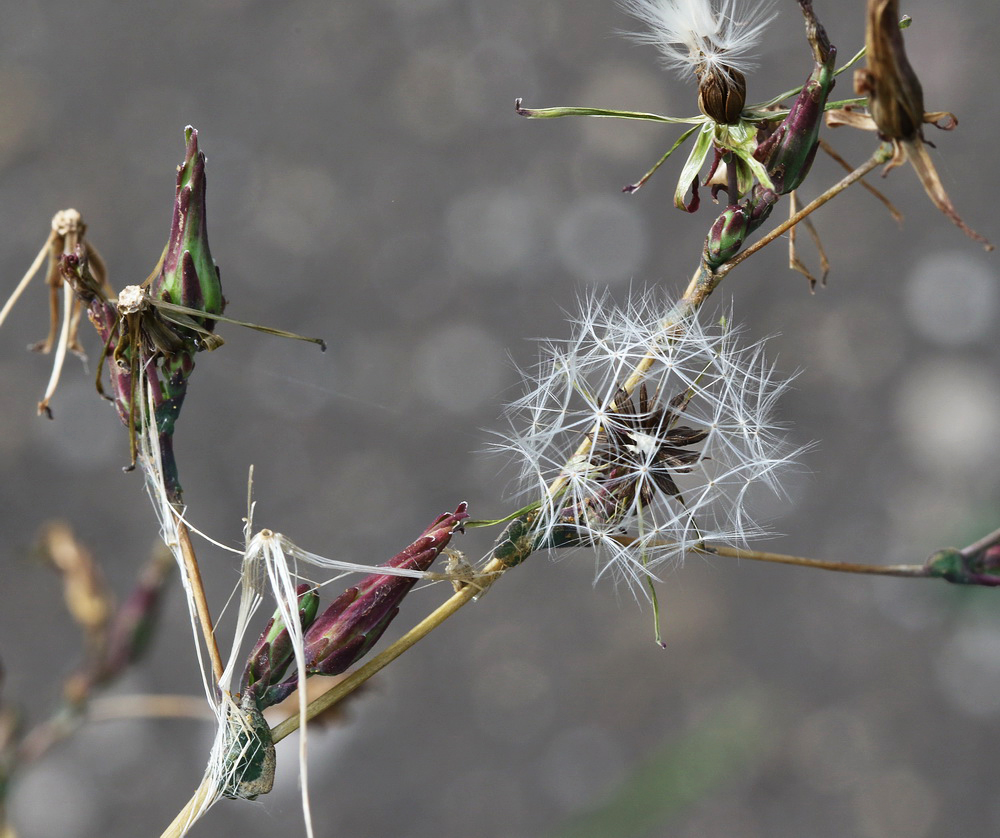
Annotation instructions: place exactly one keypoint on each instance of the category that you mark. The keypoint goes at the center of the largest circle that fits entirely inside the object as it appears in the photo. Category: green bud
(189, 275)
(736, 222)
(273, 653)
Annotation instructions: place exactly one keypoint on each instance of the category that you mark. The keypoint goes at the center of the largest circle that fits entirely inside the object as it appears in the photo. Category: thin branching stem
(897, 216)
(200, 600)
(918, 571)
(35, 267)
(113, 708)
(982, 544)
(203, 796)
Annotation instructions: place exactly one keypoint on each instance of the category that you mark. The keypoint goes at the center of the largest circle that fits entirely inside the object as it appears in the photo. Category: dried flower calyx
(896, 107)
(646, 439)
(722, 93)
(895, 96)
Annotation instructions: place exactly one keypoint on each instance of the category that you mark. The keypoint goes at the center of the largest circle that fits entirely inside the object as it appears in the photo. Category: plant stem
(204, 795)
(897, 216)
(114, 708)
(200, 600)
(385, 657)
(906, 570)
(983, 543)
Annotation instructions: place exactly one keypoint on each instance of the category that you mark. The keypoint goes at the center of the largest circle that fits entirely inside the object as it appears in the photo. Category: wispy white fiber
(693, 33)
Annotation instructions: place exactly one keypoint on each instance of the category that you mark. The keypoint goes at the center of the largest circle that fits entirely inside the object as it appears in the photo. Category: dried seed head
(644, 477)
(68, 221)
(722, 93)
(896, 105)
(895, 97)
(131, 299)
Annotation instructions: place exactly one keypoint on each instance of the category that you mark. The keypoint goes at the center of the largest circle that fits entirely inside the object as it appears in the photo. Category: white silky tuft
(703, 33)
(622, 509)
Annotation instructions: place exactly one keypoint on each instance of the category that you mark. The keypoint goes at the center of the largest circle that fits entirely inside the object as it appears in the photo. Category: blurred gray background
(369, 182)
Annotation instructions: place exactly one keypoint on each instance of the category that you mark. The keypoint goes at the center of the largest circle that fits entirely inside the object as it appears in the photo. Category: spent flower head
(896, 107)
(643, 476)
(714, 39)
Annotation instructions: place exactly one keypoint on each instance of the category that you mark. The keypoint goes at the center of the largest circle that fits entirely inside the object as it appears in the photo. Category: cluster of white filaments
(643, 477)
(700, 34)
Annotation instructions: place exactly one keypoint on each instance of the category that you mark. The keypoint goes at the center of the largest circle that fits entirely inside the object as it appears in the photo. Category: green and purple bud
(271, 655)
(737, 221)
(788, 153)
(353, 622)
(134, 622)
(522, 537)
(967, 567)
(189, 276)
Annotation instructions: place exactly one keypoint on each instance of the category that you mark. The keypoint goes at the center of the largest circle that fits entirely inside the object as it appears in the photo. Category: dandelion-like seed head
(643, 473)
(714, 39)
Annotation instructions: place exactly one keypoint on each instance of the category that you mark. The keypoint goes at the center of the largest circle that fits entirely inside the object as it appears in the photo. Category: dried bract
(896, 107)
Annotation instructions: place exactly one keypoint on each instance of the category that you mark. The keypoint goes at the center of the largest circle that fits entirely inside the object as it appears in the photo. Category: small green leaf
(555, 113)
(695, 161)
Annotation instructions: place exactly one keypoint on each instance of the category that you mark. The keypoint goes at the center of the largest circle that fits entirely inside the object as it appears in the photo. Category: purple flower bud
(789, 152)
(356, 619)
(135, 620)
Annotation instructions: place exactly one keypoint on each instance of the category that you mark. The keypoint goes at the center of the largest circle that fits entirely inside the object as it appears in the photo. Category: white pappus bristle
(700, 33)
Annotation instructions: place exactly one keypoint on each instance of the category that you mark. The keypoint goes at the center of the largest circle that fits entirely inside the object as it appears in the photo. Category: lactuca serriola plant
(645, 467)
